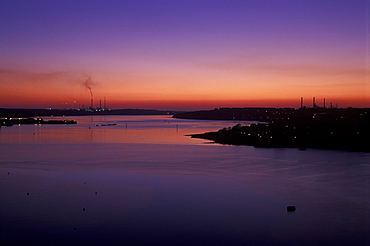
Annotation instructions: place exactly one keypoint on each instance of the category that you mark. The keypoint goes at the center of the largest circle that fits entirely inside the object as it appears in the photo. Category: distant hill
(268, 114)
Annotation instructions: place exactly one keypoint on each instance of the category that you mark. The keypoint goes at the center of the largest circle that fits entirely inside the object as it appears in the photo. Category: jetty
(33, 121)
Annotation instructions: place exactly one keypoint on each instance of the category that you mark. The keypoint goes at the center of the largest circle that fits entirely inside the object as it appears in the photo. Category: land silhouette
(33, 121)
(322, 128)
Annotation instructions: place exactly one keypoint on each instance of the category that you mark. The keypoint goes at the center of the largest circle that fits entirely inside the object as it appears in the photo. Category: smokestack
(324, 103)
(313, 102)
(100, 104)
(92, 103)
(105, 104)
(301, 102)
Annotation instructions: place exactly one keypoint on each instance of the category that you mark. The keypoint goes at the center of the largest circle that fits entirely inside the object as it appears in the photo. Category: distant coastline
(24, 113)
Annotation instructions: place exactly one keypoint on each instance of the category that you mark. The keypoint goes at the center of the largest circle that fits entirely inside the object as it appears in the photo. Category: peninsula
(322, 128)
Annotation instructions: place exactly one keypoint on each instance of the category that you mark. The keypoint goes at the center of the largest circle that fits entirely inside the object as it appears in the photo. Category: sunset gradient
(184, 55)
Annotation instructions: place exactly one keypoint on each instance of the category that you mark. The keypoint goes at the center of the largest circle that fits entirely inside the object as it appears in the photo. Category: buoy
(83, 209)
(291, 208)
(96, 193)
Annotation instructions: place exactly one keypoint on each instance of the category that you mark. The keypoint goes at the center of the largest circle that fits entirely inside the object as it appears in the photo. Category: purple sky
(172, 51)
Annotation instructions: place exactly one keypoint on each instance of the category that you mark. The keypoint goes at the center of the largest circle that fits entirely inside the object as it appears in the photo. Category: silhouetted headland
(322, 128)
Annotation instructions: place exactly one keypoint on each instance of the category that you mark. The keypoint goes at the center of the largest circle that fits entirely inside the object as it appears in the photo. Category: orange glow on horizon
(67, 90)
(57, 102)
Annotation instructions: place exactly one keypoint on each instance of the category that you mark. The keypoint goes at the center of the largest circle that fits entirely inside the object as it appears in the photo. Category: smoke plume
(88, 83)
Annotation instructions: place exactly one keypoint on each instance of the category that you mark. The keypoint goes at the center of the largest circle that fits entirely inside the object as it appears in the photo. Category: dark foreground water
(142, 182)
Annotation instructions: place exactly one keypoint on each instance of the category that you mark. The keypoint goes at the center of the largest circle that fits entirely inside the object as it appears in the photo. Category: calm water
(142, 182)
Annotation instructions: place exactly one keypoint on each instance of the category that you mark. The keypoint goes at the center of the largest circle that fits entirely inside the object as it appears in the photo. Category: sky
(184, 55)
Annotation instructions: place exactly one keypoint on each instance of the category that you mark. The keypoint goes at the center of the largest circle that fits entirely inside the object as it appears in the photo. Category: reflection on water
(112, 129)
(148, 184)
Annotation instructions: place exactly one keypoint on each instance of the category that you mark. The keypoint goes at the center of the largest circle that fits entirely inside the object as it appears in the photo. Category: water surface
(142, 182)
